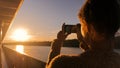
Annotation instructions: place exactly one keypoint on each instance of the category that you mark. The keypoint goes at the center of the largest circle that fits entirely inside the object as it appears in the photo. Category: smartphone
(71, 28)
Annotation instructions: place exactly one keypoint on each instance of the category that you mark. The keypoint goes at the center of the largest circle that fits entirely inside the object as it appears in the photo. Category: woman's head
(101, 17)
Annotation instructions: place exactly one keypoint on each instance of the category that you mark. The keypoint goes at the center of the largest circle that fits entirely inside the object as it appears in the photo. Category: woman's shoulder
(63, 61)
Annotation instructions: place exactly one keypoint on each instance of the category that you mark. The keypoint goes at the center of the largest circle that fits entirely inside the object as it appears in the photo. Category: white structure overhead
(8, 10)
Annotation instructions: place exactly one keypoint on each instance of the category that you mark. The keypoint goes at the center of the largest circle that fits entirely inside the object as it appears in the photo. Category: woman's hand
(78, 32)
(62, 35)
(83, 45)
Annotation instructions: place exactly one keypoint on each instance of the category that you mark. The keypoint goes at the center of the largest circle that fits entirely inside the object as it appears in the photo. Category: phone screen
(68, 28)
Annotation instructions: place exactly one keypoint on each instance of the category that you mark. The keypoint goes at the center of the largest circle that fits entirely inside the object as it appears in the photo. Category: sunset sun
(20, 35)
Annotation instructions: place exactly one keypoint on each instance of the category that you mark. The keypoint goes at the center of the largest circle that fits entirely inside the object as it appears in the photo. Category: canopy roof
(8, 10)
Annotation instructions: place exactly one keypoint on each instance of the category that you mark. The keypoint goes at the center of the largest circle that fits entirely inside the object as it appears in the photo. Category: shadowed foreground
(17, 60)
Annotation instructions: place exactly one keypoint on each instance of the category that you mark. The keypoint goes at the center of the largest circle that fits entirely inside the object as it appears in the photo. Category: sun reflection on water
(20, 49)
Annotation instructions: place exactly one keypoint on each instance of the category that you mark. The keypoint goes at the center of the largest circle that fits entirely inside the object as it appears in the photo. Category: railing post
(0, 44)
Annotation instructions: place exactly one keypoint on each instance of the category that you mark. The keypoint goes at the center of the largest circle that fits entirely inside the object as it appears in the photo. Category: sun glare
(20, 35)
(20, 49)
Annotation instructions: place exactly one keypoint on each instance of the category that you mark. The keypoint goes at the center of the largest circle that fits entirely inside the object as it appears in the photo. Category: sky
(43, 19)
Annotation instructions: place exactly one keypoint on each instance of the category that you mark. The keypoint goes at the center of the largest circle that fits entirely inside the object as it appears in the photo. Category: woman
(99, 21)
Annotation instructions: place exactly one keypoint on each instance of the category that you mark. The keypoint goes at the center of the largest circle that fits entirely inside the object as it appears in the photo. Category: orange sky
(44, 18)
